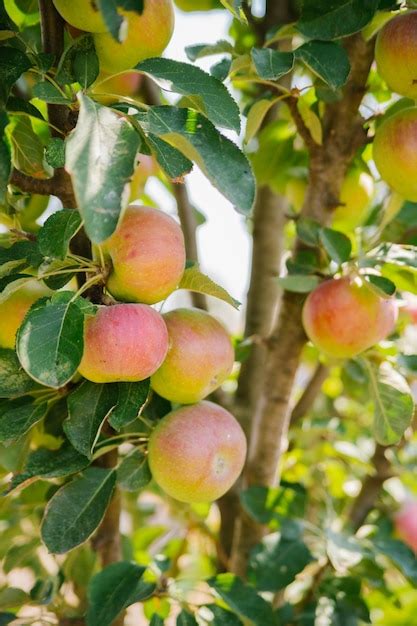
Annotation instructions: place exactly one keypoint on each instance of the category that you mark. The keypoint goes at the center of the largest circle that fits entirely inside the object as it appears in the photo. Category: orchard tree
(156, 470)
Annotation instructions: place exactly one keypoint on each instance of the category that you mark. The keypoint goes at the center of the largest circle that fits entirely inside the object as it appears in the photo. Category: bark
(342, 135)
(310, 393)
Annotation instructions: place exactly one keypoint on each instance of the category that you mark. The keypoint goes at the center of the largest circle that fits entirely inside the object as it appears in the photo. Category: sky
(224, 243)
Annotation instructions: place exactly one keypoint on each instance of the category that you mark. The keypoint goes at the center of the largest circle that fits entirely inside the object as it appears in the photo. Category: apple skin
(395, 152)
(197, 452)
(200, 357)
(124, 342)
(14, 309)
(148, 255)
(396, 54)
(83, 14)
(146, 167)
(343, 317)
(405, 523)
(126, 84)
(147, 36)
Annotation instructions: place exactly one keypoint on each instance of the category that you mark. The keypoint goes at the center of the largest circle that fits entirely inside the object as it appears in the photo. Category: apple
(295, 191)
(396, 54)
(343, 317)
(14, 309)
(148, 34)
(82, 14)
(125, 84)
(146, 167)
(124, 342)
(148, 256)
(200, 357)
(197, 452)
(405, 523)
(395, 152)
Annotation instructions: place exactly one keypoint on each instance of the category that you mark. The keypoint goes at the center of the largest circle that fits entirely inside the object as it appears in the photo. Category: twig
(292, 103)
(310, 393)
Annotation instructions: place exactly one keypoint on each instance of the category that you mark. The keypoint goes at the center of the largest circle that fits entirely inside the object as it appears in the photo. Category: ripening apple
(395, 152)
(198, 5)
(148, 256)
(14, 309)
(197, 452)
(200, 357)
(355, 198)
(147, 35)
(405, 523)
(83, 14)
(396, 54)
(343, 317)
(123, 342)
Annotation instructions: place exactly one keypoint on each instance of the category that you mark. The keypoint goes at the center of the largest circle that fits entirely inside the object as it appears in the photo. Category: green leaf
(219, 158)
(383, 286)
(112, 590)
(47, 92)
(50, 341)
(13, 63)
(400, 554)
(5, 169)
(18, 416)
(12, 597)
(88, 407)
(393, 402)
(222, 617)
(19, 554)
(85, 65)
(207, 94)
(201, 50)
(235, 8)
(328, 60)
(268, 505)
(272, 64)
(194, 280)
(337, 245)
(13, 379)
(321, 19)
(133, 472)
(27, 148)
(174, 164)
(57, 232)
(44, 463)
(106, 142)
(299, 283)
(130, 403)
(276, 561)
(243, 599)
(185, 618)
(76, 510)
(55, 152)
(18, 105)
(256, 116)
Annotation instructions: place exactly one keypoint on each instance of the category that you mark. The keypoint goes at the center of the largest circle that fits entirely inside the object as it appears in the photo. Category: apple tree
(154, 468)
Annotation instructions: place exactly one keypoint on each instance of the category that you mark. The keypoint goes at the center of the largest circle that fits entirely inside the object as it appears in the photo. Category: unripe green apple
(395, 152)
(124, 342)
(198, 5)
(14, 309)
(83, 14)
(295, 192)
(148, 34)
(343, 317)
(196, 453)
(148, 256)
(405, 523)
(200, 357)
(396, 54)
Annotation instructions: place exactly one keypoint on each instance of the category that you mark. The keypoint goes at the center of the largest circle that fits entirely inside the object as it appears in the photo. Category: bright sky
(223, 240)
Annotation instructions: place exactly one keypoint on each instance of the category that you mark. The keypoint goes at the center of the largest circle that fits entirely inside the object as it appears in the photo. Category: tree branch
(342, 129)
(303, 131)
(310, 393)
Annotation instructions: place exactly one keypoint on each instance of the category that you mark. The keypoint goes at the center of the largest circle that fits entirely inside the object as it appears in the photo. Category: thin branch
(310, 393)
(304, 132)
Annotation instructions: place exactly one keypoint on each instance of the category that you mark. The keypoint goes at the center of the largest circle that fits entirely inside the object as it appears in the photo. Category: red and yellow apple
(147, 35)
(395, 152)
(124, 342)
(405, 523)
(200, 357)
(148, 256)
(83, 14)
(146, 167)
(125, 84)
(396, 54)
(14, 309)
(343, 317)
(196, 453)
